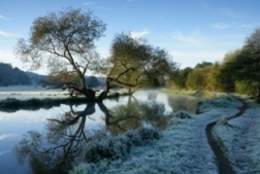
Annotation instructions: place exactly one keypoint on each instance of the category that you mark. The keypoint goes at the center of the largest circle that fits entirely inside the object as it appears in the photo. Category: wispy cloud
(220, 26)
(139, 34)
(4, 136)
(7, 34)
(233, 26)
(193, 39)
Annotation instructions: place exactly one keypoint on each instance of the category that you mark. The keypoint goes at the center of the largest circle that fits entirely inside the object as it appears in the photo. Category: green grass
(201, 94)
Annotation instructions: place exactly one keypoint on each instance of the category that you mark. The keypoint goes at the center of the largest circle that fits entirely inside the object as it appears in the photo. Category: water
(32, 141)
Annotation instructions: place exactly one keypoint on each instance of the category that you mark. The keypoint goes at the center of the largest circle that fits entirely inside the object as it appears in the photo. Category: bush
(244, 87)
(112, 148)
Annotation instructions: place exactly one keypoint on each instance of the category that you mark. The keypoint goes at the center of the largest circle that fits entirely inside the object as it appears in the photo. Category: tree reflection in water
(63, 145)
(183, 103)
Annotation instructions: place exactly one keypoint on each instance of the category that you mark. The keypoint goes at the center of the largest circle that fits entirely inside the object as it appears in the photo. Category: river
(30, 140)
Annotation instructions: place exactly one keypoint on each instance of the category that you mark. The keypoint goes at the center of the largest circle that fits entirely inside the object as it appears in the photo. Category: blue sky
(191, 30)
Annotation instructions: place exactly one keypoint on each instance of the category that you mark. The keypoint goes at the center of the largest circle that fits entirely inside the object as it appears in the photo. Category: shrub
(109, 147)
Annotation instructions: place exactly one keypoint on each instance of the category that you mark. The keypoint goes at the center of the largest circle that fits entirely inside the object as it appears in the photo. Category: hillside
(10, 76)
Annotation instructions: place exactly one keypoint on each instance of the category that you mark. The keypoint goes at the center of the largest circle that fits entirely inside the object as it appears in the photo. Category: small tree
(65, 42)
(197, 79)
(180, 77)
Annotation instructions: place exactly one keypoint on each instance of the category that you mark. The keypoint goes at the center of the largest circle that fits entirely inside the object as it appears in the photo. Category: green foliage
(212, 83)
(203, 64)
(247, 63)
(245, 66)
(245, 87)
(65, 42)
(180, 77)
(128, 56)
(64, 39)
(197, 79)
(203, 77)
(137, 64)
(239, 72)
(61, 78)
(226, 77)
(68, 39)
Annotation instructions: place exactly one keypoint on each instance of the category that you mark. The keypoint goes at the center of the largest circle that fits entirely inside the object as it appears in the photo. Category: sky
(190, 30)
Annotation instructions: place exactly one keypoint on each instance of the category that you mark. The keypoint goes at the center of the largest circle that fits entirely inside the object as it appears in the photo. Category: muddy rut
(223, 163)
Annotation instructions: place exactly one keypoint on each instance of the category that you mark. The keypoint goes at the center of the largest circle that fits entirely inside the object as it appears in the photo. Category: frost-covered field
(28, 92)
(182, 148)
(240, 138)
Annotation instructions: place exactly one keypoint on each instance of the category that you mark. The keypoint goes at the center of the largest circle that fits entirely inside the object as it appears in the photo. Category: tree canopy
(247, 64)
(136, 63)
(65, 41)
(239, 71)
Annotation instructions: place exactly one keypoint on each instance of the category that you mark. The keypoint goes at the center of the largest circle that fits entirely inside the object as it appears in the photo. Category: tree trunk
(105, 110)
(90, 94)
(103, 95)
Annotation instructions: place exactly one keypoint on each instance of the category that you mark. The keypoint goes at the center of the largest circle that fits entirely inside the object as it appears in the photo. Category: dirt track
(223, 163)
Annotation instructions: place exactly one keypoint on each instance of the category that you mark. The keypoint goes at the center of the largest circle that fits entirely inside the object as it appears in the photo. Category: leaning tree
(134, 64)
(65, 42)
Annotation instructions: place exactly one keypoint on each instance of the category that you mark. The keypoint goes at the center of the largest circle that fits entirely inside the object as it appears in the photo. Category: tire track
(223, 163)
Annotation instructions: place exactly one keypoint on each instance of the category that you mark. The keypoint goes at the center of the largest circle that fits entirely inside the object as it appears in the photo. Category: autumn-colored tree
(65, 41)
(135, 63)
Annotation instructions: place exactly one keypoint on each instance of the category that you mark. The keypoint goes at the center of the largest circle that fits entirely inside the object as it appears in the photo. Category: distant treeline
(14, 76)
(238, 72)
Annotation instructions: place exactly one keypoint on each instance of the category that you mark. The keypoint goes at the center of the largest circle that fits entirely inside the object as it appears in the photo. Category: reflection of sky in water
(14, 125)
(153, 95)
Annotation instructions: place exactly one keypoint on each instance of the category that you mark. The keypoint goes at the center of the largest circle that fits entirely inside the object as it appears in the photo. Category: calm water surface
(32, 141)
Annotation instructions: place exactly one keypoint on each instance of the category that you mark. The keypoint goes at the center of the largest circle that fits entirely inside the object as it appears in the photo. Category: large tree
(65, 42)
(227, 72)
(241, 69)
(247, 64)
(134, 63)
